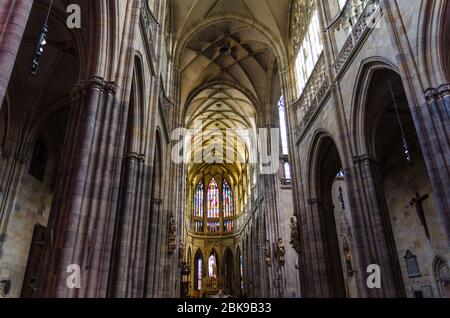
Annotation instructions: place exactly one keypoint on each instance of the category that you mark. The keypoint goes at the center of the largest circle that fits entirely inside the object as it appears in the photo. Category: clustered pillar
(83, 213)
(373, 234)
(434, 133)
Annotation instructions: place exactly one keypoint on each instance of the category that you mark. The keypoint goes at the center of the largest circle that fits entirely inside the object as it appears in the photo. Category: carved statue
(267, 256)
(281, 252)
(348, 262)
(181, 253)
(172, 234)
(295, 236)
(5, 288)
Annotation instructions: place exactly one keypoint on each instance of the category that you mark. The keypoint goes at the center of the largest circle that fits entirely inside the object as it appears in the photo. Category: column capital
(157, 201)
(134, 156)
(19, 157)
(364, 159)
(313, 201)
(94, 83)
(432, 94)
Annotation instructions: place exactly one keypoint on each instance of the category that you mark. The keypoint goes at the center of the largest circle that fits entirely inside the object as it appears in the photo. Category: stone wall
(32, 207)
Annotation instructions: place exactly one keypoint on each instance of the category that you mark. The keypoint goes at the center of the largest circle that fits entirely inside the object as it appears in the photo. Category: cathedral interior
(232, 148)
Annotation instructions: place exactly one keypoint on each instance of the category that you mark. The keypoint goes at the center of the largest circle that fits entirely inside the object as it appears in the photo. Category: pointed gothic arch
(156, 218)
(240, 270)
(229, 272)
(213, 264)
(199, 266)
(131, 216)
(323, 276)
(3, 124)
(433, 38)
(441, 274)
(387, 150)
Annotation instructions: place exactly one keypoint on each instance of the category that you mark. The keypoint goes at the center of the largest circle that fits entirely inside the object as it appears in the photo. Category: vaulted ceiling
(227, 62)
(235, 46)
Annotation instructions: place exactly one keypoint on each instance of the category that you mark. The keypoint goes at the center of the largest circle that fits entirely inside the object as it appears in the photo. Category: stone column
(128, 274)
(433, 128)
(152, 265)
(81, 226)
(13, 20)
(372, 229)
(317, 277)
(11, 172)
(430, 110)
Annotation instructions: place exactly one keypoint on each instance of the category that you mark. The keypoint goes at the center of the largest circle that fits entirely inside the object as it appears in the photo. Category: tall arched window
(213, 200)
(39, 160)
(213, 207)
(283, 126)
(198, 201)
(228, 207)
(309, 53)
(199, 208)
(198, 270)
(227, 200)
(241, 270)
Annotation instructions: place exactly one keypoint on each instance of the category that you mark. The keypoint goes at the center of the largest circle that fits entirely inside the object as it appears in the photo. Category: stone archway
(442, 276)
(36, 111)
(132, 222)
(397, 185)
(228, 271)
(446, 39)
(199, 266)
(155, 219)
(3, 124)
(326, 278)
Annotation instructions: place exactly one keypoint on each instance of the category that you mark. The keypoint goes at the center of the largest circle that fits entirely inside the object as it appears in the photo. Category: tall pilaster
(372, 229)
(430, 107)
(11, 171)
(13, 20)
(131, 234)
(433, 127)
(316, 277)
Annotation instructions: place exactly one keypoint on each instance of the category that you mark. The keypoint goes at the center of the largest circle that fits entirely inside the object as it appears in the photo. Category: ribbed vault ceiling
(230, 51)
(232, 59)
(220, 109)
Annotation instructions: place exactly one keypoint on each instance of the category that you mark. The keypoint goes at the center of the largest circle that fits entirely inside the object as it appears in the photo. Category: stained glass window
(309, 53)
(199, 273)
(241, 270)
(227, 200)
(228, 226)
(213, 227)
(283, 126)
(198, 226)
(198, 201)
(213, 200)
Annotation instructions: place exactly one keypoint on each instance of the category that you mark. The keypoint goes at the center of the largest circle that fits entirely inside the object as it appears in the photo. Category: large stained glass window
(227, 200)
(309, 53)
(198, 201)
(213, 200)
